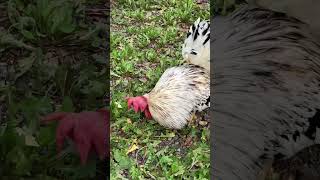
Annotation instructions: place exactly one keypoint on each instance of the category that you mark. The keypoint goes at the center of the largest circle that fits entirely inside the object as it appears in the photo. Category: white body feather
(177, 94)
(196, 47)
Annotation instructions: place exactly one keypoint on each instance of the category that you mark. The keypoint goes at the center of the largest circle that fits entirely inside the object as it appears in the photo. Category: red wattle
(147, 114)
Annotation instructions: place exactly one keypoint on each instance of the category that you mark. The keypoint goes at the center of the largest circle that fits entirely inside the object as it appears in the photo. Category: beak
(187, 60)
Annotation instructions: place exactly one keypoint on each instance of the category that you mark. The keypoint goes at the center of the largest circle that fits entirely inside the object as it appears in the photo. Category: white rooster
(181, 90)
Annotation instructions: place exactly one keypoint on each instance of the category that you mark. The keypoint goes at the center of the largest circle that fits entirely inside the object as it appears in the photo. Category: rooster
(266, 99)
(181, 90)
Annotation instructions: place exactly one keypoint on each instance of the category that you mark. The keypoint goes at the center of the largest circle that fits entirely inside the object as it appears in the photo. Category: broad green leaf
(28, 34)
(67, 28)
(177, 168)
(123, 160)
(47, 135)
(67, 105)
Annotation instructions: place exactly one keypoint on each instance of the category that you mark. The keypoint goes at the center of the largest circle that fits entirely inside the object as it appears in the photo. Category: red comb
(139, 103)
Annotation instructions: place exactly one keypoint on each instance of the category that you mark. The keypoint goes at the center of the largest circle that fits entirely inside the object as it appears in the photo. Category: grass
(146, 39)
(52, 58)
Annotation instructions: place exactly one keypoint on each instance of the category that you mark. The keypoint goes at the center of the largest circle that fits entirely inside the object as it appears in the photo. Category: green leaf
(10, 139)
(25, 21)
(123, 160)
(166, 160)
(7, 39)
(67, 28)
(24, 65)
(31, 109)
(47, 135)
(28, 34)
(67, 105)
(177, 168)
(62, 19)
(22, 164)
(13, 13)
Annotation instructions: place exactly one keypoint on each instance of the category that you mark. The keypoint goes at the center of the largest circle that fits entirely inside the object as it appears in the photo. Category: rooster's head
(139, 103)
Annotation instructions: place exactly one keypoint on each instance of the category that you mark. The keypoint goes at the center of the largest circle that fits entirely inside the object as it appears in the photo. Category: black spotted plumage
(204, 104)
(196, 49)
